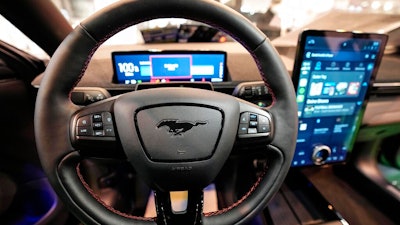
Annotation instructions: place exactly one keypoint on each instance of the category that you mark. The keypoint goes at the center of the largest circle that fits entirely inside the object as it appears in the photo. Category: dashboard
(232, 70)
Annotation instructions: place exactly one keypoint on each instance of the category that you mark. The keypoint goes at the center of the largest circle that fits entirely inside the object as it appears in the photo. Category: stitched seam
(97, 197)
(258, 63)
(240, 201)
(219, 212)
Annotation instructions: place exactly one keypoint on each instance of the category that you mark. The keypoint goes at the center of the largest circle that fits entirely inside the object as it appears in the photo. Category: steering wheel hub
(179, 133)
(172, 135)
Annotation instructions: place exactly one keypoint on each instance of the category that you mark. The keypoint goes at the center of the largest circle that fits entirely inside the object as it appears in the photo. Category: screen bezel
(167, 52)
(341, 34)
(299, 58)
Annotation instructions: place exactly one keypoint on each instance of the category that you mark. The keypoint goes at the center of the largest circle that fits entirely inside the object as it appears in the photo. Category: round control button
(320, 154)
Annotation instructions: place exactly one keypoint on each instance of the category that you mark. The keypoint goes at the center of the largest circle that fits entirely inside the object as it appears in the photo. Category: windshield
(276, 18)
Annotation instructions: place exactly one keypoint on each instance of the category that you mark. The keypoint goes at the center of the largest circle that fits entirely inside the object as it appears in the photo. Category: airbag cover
(179, 133)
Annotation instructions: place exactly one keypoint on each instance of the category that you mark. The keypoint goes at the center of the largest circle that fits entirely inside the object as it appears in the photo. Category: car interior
(211, 121)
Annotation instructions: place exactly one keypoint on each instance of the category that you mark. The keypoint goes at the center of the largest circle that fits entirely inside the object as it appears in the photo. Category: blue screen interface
(141, 67)
(334, 74)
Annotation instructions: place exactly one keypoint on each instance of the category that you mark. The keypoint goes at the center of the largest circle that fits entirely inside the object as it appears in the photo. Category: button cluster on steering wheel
(254, 125)
(95, 125)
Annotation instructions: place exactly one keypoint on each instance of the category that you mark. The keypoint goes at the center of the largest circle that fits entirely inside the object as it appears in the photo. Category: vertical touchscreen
(333, 72)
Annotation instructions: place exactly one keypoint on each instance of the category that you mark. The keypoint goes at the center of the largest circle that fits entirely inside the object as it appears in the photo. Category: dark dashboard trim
(385, 89)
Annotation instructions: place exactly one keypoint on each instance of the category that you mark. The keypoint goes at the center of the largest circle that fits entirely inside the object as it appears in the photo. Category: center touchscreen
(167, 66)
(333, 72)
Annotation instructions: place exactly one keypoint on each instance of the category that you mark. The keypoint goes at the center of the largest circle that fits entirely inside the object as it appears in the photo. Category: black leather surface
(224, 110)
(54, 109)
(125, 13)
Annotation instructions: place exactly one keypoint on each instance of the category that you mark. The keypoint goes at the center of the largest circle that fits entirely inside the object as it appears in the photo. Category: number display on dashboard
(168, 66)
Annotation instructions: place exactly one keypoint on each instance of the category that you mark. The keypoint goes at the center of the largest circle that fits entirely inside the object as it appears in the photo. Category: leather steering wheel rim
(54, 107)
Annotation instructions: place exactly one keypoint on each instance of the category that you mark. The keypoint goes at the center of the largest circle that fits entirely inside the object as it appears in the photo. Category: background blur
(274, 17)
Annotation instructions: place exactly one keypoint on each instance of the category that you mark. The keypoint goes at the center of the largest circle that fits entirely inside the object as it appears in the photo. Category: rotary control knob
(320, 154)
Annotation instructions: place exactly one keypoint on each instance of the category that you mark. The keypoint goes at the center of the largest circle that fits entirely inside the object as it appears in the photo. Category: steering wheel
(175, 138)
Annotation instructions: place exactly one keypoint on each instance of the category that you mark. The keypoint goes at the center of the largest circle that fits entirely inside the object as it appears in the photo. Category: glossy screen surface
(333, 72)
(156, 67)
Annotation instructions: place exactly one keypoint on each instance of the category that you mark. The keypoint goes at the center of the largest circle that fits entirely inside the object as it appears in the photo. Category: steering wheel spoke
(166, 215)
(256, 128)
(93, 131)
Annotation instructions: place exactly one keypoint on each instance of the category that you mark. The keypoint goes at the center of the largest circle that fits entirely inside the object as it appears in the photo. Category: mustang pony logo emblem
(177, 127)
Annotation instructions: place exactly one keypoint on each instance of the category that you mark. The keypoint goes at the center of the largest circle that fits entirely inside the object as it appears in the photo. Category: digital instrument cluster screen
(332, 74)
(167, 66)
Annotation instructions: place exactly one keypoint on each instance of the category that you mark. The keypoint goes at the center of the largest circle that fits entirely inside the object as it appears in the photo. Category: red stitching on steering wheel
(91, 192)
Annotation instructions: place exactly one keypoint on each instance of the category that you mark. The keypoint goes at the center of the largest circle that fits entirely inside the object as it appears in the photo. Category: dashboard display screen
(332, 74)
(166, 66)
